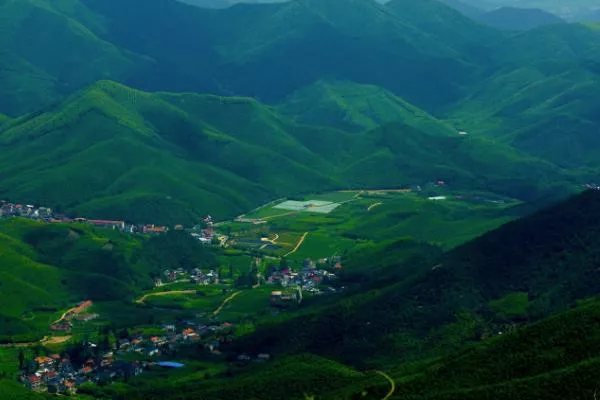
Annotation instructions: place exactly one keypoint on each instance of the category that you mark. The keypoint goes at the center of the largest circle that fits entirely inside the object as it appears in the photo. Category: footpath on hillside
(144, 297)
(302, 239)
(227, 300)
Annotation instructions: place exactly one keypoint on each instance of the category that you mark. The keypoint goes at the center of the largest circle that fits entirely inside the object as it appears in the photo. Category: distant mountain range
(370, 80)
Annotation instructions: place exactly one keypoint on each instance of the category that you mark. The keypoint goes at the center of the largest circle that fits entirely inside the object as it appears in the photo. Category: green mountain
(540, 98)
(122, 148)
(354, 107)
(247, 50)
(172, 158)
(519, 19)
(36, 70)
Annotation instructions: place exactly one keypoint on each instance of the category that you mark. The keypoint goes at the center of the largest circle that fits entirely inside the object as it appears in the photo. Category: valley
(305, 199)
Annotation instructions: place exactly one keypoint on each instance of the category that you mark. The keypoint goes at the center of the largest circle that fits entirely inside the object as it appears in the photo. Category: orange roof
(42, 360)
(87, 370)
(188, 331)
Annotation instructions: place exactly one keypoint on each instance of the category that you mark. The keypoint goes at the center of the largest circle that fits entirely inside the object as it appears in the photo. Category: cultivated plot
(318, 206)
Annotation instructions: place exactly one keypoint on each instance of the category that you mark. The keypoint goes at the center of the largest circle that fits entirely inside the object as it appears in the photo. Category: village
(203, 233)
(281, 286)
(127, 356)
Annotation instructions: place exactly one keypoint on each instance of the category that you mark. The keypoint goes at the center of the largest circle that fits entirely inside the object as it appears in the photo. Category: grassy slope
(304, 375)
(45, 268)
(354, 107)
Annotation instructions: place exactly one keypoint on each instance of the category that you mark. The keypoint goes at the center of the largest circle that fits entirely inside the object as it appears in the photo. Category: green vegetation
(368, 219)
(175, 158)
(46, 268)
(166, 113)
(426, 306)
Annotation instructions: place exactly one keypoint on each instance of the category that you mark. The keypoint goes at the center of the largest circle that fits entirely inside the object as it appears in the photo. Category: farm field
(361, 217)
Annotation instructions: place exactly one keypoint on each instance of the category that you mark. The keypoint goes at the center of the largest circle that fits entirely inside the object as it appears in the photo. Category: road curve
(144, 297)
(298, 244)
(392, 384)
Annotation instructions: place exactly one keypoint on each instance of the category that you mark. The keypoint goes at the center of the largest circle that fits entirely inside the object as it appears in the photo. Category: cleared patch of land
(318, 206)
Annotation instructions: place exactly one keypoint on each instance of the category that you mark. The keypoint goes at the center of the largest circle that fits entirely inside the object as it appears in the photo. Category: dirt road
(302, 239)
(44, 340)
(144, 297)
(372, 206)
(227, 300)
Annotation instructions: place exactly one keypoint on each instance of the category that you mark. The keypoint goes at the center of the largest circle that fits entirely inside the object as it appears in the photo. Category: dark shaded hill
(271, 50)
(265, 51)
(522, 272)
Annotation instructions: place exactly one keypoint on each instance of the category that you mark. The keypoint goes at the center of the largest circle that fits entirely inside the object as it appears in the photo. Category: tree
(283, 264)
(105, 344)
(21, 359)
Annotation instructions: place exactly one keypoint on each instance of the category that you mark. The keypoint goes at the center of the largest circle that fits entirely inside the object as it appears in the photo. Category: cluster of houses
(8, 209)
(57, 374)
(210, 335)
(309, 278)
(204, 234)
(195, 276)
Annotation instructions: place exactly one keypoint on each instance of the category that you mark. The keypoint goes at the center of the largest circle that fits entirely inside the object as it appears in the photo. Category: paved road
(392, 384)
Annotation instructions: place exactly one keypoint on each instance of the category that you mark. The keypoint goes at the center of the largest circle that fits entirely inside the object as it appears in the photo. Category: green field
(371, 217)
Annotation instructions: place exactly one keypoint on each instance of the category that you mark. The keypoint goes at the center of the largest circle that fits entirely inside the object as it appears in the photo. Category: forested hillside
(521, 272)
